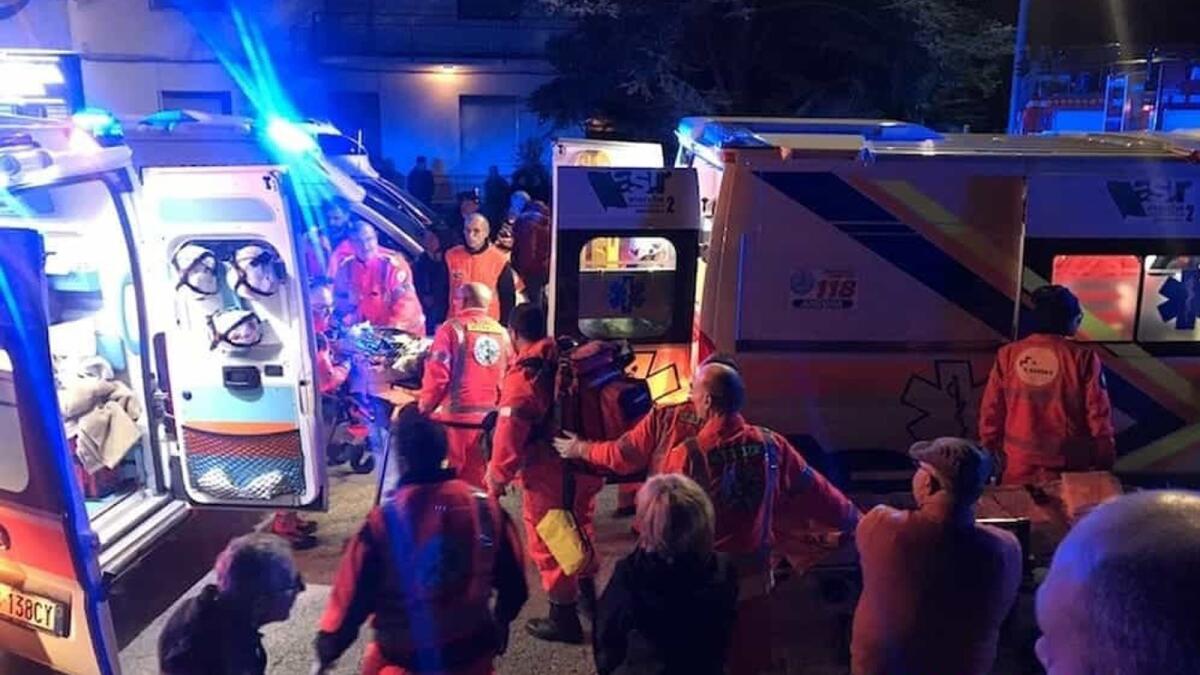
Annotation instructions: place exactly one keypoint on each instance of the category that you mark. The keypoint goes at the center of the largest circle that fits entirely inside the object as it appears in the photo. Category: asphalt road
(810, 630)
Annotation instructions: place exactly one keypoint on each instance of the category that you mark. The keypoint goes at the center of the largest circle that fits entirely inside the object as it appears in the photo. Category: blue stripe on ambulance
(1151, 420)
(852, 212)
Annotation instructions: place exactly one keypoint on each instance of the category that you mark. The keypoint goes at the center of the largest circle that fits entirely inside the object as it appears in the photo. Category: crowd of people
(438, 568)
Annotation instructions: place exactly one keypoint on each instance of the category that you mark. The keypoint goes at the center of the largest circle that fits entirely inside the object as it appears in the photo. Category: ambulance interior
(95, 341)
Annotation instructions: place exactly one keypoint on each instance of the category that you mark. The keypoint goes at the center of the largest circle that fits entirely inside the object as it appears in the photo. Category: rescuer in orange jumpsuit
(377, 287)
(522, 448)
(761, 488)
(461, 383)
(1046, 409)
(424, 565)
(641, 449)
(478, 261)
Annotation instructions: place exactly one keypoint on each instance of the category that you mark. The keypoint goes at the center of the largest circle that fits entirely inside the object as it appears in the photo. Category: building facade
(446, 79)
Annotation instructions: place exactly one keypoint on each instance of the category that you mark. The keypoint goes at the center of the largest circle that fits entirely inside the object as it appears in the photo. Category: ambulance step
(123, 553)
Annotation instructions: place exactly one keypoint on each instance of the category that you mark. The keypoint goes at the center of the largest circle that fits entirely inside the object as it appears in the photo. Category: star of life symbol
(1182, 302)
(942, 401)
(486, 351)
(626, 294)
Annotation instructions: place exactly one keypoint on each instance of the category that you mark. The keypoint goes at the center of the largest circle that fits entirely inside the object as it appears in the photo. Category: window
(211, 102)
(1170, 299)
(1107, 287)
(626, 287)
(1151, 298)
(490, 9)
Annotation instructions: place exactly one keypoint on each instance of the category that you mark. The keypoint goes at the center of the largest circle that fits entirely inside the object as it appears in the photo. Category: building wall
(41, 24)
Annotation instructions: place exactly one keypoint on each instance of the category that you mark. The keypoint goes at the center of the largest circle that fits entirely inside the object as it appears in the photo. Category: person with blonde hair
(670, 605)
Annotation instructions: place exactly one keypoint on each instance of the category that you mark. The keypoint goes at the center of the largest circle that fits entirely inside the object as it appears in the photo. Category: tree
(636, 66)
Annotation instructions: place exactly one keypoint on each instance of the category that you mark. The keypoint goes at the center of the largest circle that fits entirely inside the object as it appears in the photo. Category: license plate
(32, 610)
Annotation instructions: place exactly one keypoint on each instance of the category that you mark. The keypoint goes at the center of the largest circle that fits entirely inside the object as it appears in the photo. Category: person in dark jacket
(669, 607)
(420, 182)
(216, 632)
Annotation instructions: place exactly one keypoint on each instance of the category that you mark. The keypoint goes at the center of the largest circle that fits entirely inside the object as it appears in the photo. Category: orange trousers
(543, 491)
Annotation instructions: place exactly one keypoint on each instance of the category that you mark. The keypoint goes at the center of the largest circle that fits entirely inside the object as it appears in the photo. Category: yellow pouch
(561, 535)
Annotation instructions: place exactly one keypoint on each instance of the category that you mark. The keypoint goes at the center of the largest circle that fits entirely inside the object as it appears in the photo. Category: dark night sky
(1093, 22)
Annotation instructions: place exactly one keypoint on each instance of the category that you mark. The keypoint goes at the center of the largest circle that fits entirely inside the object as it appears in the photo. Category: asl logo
(1037, 366)
(643, 190)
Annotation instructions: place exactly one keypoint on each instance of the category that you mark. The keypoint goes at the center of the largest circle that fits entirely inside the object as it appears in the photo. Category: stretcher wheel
(363, 463)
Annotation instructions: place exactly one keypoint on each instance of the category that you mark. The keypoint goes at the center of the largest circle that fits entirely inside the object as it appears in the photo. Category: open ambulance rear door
(626, 243)
(52, 604)
(233, 337)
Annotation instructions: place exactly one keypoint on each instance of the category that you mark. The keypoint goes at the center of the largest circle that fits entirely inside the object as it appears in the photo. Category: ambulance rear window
(626, 287)
(1170, 299)
(1107, 287)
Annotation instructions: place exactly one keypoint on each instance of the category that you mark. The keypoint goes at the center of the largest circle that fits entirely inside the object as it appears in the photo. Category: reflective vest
(380, 291)
(464, 369)
(484, 267)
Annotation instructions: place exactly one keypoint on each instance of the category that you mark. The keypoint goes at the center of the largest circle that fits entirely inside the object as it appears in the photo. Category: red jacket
(759, 484)
(424, 565)
(642, 448)
(466, 363)
(523, 436)
(1046, 408)
(488, 266)
(379, 291)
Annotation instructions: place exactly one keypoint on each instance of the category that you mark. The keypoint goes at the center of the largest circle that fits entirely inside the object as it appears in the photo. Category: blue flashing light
(289, 137)
(167, 119)
(101, 125)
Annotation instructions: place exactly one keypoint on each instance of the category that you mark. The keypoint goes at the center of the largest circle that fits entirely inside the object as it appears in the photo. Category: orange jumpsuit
(1046, 408)
(762, 490)
(461, 385)
(379, 291)
(642, 447)
(424, 566)
(522, 446)
(488, 266)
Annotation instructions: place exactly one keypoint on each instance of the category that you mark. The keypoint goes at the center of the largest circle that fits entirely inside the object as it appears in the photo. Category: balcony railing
(381, 34)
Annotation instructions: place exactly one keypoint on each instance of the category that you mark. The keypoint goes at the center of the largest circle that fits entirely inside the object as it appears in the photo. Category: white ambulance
(864, 273)
(156, 353)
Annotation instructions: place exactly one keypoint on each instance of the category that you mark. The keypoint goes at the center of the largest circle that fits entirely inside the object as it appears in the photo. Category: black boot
(562, 625)
(587, 598)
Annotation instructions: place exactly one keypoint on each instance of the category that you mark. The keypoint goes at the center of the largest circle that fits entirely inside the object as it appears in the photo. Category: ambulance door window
(626, 287)
(1107, 288)
(1170, 299)
(14, 466)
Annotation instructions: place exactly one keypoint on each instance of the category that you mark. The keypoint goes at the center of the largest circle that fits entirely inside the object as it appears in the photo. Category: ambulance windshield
(92, 311)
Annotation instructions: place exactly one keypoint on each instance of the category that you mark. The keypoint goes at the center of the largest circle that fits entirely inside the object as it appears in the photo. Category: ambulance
(156, 355)
(864, 273)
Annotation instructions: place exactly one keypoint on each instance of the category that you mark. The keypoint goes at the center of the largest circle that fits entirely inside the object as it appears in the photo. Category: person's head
(475, 231)
(717, 390)
(337, 216)
(257, 574)
(723, 359)
(420, 161)
(1056, 311)
(540, 207)
(468, 203)
(364, 240)
(320, 302)
(526, 324)
(1123, 589)
(472, 296)
(517, 202)
(493, 171)
(675, 517)
(418, 443)
(950, 468)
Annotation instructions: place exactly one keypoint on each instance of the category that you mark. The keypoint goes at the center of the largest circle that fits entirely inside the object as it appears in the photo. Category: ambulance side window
(626, 287)
(1170, 299)
(1107, 288)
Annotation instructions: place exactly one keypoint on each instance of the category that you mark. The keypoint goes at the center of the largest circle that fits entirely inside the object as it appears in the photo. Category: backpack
(596, 398)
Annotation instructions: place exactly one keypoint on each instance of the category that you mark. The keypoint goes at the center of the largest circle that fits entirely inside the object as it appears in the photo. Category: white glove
(569, 446)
